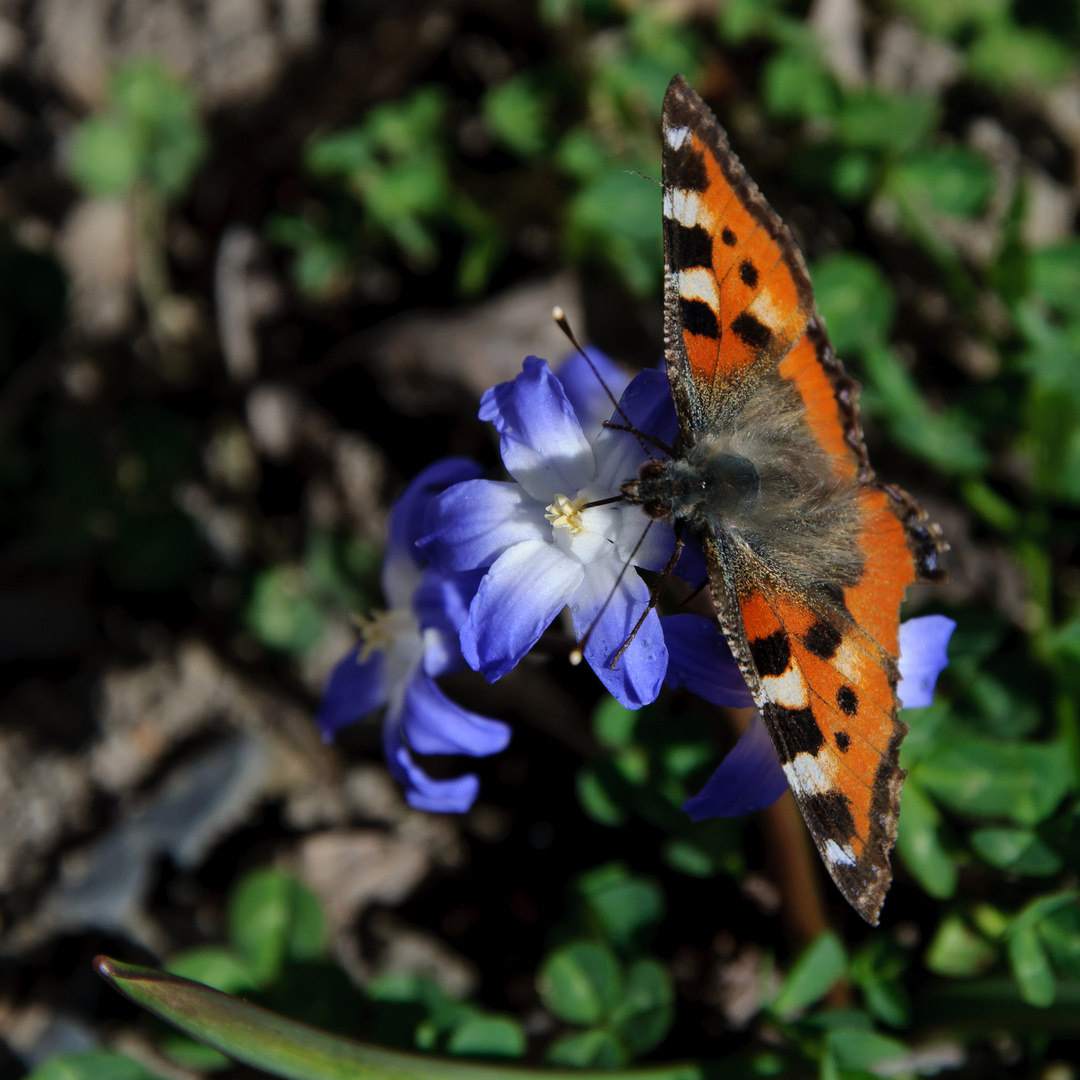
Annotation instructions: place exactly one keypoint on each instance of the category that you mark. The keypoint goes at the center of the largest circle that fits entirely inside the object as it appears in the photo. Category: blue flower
(544, 548)
(404, 649)
(751, 777)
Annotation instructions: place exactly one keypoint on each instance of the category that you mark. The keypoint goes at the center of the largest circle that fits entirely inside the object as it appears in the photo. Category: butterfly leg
(655, 591)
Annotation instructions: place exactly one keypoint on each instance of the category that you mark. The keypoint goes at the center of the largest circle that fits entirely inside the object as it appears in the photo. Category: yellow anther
(565, 513)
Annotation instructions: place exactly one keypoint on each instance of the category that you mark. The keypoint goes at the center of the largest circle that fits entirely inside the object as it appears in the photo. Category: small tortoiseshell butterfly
(808, 554)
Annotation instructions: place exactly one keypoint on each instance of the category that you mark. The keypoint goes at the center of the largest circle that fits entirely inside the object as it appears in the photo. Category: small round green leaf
(819, 968)
(587, 1049)
(485, 1035)
(647, 1010)
(273, 916)
(581, 982)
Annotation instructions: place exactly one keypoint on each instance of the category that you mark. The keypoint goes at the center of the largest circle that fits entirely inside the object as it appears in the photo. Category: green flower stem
(286, 1048)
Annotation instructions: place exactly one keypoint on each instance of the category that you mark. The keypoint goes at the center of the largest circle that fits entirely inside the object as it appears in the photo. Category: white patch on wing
(676, 136)
(807, 775)
(848, 660)
(839, 856)
(765, 311)
(789, 689)
(699, 284)
(684, 207)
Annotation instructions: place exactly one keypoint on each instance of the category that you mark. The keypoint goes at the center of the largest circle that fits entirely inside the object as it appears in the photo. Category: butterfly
(808, 554)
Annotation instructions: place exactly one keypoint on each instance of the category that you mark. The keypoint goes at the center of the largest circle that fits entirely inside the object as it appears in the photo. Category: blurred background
(258, 260)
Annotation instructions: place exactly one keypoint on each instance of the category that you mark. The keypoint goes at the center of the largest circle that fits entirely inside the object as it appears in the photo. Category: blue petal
(353, 690)
(421, 791)
(700, 660)
(433, 724)
(924, 654)
(407, 516)
(611, 607)
(525, 589)
(691, 565)
(586, 392)
(648, 404)
(541, 441)
(749, 778)
(441, 603)
(472, 524)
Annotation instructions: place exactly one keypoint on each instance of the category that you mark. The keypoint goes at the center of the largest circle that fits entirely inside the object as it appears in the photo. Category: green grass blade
(286, 1048)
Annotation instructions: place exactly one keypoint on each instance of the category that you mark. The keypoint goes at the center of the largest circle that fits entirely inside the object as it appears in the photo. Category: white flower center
(565, 513)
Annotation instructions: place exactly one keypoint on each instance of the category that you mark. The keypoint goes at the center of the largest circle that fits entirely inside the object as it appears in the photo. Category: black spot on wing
(847, 700)
(687, 248)
(756, 334)
(698, 318)
(795, 731)
(748, 273)
(771, 654)
(729, 238)
(690, 171)
(831, 813)
(843, 741)
(822, 640)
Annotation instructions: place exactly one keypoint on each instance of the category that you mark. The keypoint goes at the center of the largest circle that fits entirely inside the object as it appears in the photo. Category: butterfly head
(706, 487)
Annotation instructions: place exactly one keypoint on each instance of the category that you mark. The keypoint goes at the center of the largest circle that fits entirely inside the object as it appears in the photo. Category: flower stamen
(380, 630)
(565, 513)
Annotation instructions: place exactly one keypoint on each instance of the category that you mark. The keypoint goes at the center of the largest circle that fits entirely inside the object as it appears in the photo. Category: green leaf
(192, 1054)
(869, 120)
(1008, 56)
(1055, 275)
(614, 724)
(90, 1065)
(517, 113)
(621, 905)
(581, 982)
(856, 300)
(213, 966)
(944, 439)
(586, 1049)
(795, 84)
(647, 1010)
(106, 156)
(274, 917)
(1060, 933)
(285, 1048)
(281, 613)
(952, 180)
(1031, 967)
(919, 843)
(1016, 851)
(1021, 782)
(597, 801)
(485, 1035)
(863, 1051)
(820, 967)
(615, 217)
(957, 951)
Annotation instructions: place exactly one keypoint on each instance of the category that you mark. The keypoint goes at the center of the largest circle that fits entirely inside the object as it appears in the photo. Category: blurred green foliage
(150, 131)
(290, 604)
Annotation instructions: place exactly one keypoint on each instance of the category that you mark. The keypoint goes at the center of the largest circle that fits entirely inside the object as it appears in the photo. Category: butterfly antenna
(563, 323)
